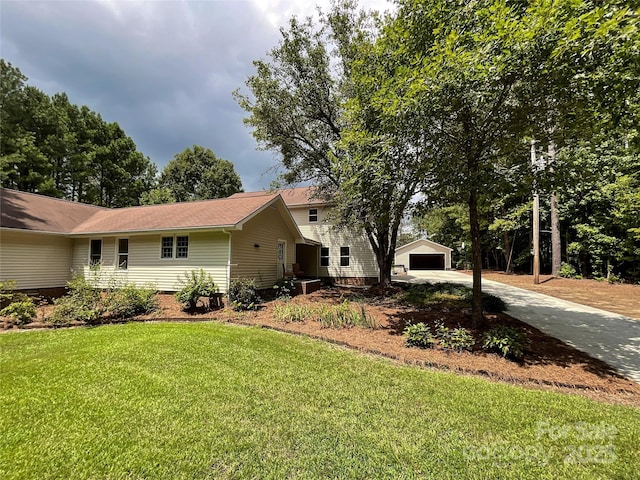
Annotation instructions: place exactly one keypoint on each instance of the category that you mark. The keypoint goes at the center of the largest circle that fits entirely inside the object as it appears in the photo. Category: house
(424, 255)
(341, 256)
(43, 241)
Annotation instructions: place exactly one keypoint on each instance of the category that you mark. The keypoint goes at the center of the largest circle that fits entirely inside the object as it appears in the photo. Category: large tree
(311, 103)
(474, 77)
(197, 174)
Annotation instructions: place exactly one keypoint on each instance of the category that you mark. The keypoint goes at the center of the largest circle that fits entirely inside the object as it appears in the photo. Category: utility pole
(536, 222)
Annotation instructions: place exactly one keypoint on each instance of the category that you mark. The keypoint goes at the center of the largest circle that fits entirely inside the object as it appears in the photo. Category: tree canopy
(50, 146)
(443, 97)
(196, 174)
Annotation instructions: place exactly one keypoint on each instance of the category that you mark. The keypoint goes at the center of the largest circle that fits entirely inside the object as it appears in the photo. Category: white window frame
(99, 262)
(347, 256)
(313, 217)
(174, 247)
(323, 257)
(119, 254)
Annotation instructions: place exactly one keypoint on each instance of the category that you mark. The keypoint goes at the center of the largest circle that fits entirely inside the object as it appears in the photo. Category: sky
(163, 70)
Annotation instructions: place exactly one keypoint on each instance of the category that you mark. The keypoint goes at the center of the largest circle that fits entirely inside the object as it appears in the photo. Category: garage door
(426, 261)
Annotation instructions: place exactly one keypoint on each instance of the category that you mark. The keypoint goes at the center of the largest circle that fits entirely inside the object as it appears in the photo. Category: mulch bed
(549, 363)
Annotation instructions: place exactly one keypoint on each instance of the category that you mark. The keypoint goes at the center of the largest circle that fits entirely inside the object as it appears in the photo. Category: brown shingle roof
(201, 214)
(35, 212)
(292, 196)
(28, 211)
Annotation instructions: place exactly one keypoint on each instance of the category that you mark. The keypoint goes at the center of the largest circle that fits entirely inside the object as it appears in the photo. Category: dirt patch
(549, 363)
(623, 299)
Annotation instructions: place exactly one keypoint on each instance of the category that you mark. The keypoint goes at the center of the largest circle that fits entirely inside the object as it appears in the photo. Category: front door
(282, 258)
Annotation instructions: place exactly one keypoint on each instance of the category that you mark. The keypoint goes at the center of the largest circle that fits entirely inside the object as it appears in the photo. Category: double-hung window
(344, 256)
(123, 253)
(95, 252)
(174, 247)
(324, 256)
(313, 215)
(167, 247)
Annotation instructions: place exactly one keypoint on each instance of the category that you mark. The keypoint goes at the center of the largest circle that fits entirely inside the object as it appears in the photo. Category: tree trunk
(556, 245)
(476, 257)
(385, 264)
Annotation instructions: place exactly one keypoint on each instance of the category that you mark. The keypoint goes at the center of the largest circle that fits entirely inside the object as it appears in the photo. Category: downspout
(228, 260)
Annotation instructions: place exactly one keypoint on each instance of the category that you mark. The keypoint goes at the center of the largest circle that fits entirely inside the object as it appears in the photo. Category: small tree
(195, 284)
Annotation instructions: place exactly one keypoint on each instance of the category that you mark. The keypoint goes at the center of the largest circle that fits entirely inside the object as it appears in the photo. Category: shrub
(419, 335)
(284, 289)
(7, 292)
(243, 294)
(567, 271)
(130, 300)
(17, 306)
(507, 341)
(458, 339)
(195, 284)
(81, 303)
(22, 311)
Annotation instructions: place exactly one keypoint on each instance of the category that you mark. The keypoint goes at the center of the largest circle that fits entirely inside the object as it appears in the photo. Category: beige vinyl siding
(207, 250)
(35, 260)
(362, 261)
(260, 263)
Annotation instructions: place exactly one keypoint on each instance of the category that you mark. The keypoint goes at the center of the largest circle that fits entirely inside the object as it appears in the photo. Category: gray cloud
(164, 70)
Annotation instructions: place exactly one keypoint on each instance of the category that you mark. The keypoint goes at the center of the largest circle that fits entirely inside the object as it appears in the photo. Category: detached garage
(424, 255)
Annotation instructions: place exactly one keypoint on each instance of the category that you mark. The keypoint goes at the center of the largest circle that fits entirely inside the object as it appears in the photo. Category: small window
(324, 256)
(123, 253)
(167, 247)
(344, 256)
(182, 247)
(95, 256)
(313, 214)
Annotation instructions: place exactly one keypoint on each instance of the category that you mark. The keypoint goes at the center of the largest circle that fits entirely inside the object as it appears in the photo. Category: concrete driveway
(610, 337)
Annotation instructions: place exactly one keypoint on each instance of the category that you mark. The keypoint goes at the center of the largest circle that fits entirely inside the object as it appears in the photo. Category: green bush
(17, 306)
(81, 303)
(21, 311)
(243, 294)
(419, 335)
(506, 341)
(130, 300)
(458, 339)
(284, 289)
(567, 271)
(195, 284)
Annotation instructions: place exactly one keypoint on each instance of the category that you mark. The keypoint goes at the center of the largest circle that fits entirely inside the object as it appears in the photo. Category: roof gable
(421, 241)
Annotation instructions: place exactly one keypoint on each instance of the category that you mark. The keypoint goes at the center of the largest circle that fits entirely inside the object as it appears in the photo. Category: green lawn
(217, 401)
